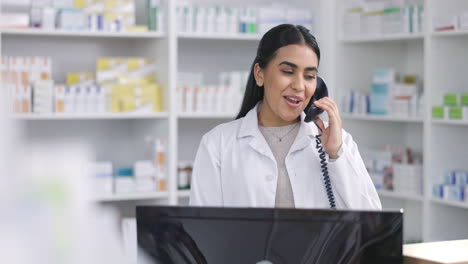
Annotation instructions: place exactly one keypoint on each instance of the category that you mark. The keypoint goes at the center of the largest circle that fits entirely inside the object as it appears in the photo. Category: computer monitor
(212, 235)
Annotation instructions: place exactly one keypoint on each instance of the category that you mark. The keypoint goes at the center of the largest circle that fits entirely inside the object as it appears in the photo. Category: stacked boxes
(29, 81)
(455, 107)
(231, 19)
(387, 96)
(447, 22)
(407, 179)
(453, 188)
(225, 97)
(395, 168)
(83, 15)
(102, 173)
(130, 83)
(155, 15)
(382, 18)
(143, 177)
(124, 85)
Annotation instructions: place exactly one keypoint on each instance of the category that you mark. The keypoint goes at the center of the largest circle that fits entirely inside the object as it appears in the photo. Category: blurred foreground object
(47, 212)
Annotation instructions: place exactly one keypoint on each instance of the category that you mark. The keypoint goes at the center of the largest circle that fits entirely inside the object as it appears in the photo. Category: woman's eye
(287, 72)
(310, 77)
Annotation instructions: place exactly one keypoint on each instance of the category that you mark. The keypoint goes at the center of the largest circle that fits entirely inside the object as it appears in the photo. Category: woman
(268, 156)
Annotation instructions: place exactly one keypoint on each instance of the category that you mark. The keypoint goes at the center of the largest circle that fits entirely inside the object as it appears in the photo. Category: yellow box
(131, 97)
(79, 78)
(136, 29)
(80, 4)
(108, 70)
(122, 98)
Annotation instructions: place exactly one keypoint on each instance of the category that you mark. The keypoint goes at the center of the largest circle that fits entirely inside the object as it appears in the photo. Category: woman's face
(289, 81)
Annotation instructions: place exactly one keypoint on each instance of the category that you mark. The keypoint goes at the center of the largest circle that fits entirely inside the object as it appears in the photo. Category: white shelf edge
(183, 193)
(450, 122)
(89, 116)
(206, 115)
(451, 203)
(450, 33)
(396, 37)
(382, 118)
(218, 36)
(391, 194)
(67, 33)
(132, 196)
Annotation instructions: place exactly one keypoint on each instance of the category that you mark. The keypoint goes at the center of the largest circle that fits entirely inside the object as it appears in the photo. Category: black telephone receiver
(311, 110)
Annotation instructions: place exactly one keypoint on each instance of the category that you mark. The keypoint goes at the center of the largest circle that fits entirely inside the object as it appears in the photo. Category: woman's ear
(258, 74)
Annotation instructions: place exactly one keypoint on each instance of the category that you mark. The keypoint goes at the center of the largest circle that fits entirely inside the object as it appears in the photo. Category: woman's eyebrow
(295, 66)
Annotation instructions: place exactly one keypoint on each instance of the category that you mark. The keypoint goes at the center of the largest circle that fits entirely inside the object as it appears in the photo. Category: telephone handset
(312, 112)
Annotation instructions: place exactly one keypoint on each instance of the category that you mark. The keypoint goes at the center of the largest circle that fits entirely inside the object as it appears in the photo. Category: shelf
(89, 116)
(396, 37)
(219, 36)
(449, 33)
(132, 197)
(383, 118)
(206, 116)
(66, 33)
(450, 122)
(391, 194)
(183, 194)
(451, 203)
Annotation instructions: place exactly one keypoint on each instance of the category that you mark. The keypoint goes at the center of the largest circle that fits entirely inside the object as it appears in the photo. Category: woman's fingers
(320, 123)
(327, 107)
(331, 108)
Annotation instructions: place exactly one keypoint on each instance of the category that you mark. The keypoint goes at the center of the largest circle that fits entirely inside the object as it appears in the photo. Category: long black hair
(275, 38)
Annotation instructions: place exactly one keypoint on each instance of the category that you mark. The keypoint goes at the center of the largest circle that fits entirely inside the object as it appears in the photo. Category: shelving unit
(442, 142)
(439, 58)
(390, 194)
(183, 194)
(382, 118)
(133, 197)
(450, 203)
(449, 33)
(161, 115)
(219, 36)
(450, 122)
(449, 153)
(64, 33)
(206, 116)
(396, 37)
(119, 138)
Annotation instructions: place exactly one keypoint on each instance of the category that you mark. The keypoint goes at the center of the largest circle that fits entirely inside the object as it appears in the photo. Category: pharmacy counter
(450, 252)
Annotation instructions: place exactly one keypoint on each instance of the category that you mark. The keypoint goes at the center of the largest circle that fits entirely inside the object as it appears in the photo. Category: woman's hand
(331, 136)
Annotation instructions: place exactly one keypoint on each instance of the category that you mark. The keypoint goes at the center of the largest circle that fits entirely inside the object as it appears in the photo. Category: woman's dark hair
(275, 38)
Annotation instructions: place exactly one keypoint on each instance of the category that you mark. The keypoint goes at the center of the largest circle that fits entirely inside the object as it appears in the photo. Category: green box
(451, 99)
(456, 112)
(437, 112)
(392, 10)
(464, 99)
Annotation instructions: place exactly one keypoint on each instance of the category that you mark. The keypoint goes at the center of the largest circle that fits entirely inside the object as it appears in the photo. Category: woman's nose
(298, 84)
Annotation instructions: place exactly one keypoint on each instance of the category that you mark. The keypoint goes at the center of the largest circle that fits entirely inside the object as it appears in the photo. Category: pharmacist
(268, 156)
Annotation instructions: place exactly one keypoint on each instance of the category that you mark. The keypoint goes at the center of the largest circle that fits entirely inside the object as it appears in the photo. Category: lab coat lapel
(304, 136)
(249, 128)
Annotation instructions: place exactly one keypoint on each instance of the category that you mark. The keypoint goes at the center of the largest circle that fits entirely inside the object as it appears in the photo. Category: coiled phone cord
(324, 168)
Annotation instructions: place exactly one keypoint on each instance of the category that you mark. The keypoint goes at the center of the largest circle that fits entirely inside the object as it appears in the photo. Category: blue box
(461, 178)
(449, 178)
(379, 99)
(438, 191)
(457, 193)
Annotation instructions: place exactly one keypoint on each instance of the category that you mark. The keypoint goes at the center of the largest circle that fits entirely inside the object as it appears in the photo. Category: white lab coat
(235, 167)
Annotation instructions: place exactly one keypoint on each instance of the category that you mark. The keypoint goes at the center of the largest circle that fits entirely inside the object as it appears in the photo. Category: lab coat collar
(249, 127)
